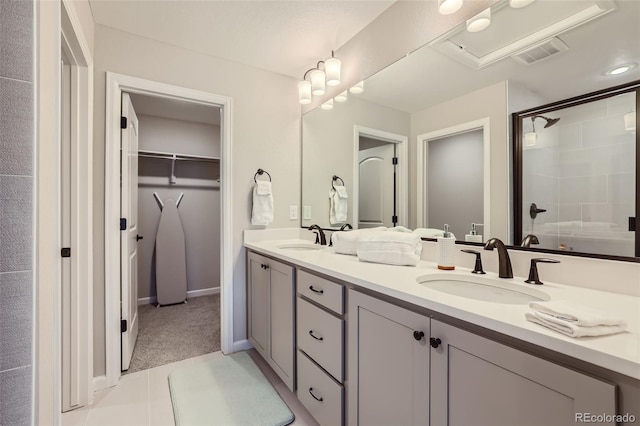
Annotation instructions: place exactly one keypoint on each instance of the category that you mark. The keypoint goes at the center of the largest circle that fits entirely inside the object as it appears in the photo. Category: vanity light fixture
(327, 105)
(342, 97)
(479, 22)
(328, 75)
(447, 7)
(620, 69)
(357, 88)
(518, 4)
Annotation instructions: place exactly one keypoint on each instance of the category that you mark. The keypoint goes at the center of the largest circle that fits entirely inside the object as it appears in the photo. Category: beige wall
(488, 102)
(85, 18)
(265, 134)
(329, 147)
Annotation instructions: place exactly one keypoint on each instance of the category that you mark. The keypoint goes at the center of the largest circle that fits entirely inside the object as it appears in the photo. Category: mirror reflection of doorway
(455, 182)
(377, 201)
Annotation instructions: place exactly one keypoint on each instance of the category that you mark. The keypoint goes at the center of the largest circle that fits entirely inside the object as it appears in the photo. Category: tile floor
(142, 398)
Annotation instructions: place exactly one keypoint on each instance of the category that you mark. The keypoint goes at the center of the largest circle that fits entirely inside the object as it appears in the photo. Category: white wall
(265, 134)
(200, 206)
(328, 137)
(487, 102)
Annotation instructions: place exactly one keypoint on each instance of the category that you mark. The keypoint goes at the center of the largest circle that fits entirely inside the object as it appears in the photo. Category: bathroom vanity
(375, 344)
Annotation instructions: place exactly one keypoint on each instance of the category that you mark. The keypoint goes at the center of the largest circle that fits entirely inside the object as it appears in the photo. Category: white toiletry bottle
(446, 251)
(472, 236)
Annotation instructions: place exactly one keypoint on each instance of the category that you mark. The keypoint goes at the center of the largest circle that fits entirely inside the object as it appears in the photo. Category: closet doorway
(180, 166)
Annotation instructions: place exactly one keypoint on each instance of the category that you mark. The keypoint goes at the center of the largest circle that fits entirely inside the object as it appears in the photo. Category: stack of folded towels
(380, 245)
(573, 319)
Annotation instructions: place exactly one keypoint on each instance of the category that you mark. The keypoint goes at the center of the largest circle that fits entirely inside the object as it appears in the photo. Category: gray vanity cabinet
(271, 313)
(388, 363)
(477, 381)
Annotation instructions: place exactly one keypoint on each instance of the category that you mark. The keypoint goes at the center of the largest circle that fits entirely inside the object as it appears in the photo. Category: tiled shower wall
(16, 211)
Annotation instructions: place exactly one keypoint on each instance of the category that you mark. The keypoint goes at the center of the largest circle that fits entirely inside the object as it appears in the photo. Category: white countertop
(618, 352)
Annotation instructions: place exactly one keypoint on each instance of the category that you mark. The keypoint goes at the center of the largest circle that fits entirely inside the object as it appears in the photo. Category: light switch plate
(293, 212)
(307, 213)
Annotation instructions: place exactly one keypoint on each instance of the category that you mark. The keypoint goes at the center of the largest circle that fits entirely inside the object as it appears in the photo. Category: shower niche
(575, 173)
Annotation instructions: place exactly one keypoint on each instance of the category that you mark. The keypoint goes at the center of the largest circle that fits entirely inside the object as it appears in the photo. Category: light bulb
(304, 92)
(328, 104)
(317, 82)
(332, 69)
(479, 22)
(447, 7)
(342, 97)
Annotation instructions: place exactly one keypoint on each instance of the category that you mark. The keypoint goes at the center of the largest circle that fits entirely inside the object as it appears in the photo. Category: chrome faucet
(320, 237)
(528, 240)
(504, 263)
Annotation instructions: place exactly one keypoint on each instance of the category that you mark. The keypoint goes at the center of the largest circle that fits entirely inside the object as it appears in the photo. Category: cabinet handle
(435, 342)
(315, 397)
(313, 335)
(418, 335)
(263, 266)
(316, 291)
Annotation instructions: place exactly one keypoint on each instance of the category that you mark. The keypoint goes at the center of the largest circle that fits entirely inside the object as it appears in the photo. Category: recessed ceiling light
(620, 69)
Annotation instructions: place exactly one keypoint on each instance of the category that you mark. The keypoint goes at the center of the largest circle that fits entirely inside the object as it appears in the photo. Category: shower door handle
(632, 224)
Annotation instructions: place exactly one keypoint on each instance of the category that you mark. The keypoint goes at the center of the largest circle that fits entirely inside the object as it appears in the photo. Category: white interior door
(129, 236)
(376, 200)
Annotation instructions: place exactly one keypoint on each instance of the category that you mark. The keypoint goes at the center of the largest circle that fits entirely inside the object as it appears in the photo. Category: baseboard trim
(99, 383)
(242, 345)
(190, 294)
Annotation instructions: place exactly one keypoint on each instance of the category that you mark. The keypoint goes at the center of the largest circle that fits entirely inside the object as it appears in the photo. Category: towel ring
(260, 172)
(335, 178)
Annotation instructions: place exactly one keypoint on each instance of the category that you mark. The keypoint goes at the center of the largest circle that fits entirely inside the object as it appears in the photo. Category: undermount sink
(300, 246)
(497, 290)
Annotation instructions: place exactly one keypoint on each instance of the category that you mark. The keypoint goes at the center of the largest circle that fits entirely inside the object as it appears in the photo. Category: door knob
(418, 335)
(435, 342)
(139, 237)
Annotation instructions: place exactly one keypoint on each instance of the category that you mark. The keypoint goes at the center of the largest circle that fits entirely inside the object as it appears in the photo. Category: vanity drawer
(321, 291)
(320, 335)
(319, 393)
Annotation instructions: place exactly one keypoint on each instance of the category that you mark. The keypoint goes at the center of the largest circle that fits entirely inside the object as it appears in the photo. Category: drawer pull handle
(315, 397)
(314, 336)
(316, 291)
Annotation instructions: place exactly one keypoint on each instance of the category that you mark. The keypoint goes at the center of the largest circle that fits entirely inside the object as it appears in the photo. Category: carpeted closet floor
(176, 332)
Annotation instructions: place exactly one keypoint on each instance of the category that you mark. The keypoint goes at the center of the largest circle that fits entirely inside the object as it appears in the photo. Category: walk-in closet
(178, 198)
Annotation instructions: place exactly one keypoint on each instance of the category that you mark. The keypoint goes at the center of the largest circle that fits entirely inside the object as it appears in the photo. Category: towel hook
(335, 178)
(260, 172)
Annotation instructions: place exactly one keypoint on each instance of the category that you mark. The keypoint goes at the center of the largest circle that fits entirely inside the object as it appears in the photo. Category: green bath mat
(229, 390)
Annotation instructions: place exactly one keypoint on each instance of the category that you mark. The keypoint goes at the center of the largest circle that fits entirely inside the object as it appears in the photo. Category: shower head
(550, 121)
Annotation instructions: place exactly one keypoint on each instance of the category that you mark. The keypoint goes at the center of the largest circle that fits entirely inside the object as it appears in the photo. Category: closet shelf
(176, 156)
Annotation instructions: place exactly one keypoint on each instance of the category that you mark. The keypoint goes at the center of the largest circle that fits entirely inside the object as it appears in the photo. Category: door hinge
(65, 252)
(394, 219)
(394, 161)
(123, 122)
(123, 223)
(123, 326)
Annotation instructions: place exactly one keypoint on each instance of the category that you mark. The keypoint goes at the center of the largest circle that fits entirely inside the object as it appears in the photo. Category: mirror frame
(517, 148)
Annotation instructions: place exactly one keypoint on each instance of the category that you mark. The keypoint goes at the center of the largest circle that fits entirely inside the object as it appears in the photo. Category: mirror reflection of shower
(533, 213)
(531, 137)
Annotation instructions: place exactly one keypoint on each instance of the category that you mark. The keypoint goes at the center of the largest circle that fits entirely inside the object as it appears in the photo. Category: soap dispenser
(472, 236)
(446, 251)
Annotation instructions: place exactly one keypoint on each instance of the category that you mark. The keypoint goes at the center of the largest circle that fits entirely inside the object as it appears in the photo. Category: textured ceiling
(287, 37)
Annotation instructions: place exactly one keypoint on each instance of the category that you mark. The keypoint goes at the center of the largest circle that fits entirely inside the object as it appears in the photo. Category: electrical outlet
(293, 212)
(307, 213)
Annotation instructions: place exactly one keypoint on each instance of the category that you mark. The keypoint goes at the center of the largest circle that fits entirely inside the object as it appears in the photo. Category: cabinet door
(281, 327)
(477, 381)
(258, 303)
(388, 368)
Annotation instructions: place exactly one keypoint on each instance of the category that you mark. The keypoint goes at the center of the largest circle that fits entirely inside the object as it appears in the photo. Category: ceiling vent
(541, 51)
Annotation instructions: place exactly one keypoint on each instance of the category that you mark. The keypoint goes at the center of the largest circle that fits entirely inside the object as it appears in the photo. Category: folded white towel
(393, 248)
(575, 313)
(262, 211)
(399, 229)
(338, 204)
(346, 242)
(430, 233)
(571, 329)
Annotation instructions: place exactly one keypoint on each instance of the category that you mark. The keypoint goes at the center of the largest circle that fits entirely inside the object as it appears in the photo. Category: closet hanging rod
(176, 156)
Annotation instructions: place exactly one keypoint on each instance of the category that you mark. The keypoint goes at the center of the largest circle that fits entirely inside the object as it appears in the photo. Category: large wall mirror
(458, 84)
